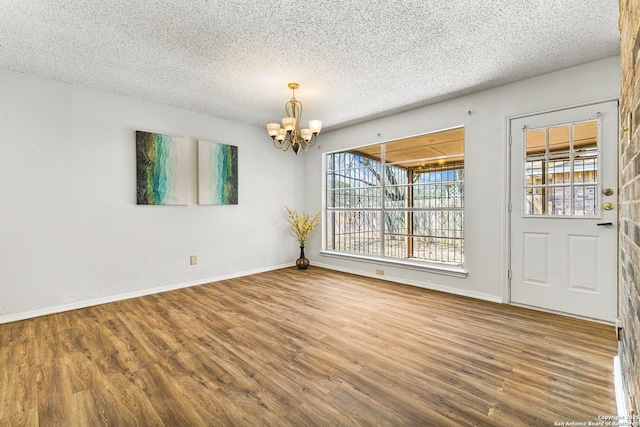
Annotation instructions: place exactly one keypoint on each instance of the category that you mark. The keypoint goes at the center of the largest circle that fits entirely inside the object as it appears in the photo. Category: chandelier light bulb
(289, 124)
(273, 129)
(315, 126)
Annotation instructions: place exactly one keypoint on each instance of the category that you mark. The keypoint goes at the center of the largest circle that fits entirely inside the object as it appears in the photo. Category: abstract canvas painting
(217, 174)
(162, 169)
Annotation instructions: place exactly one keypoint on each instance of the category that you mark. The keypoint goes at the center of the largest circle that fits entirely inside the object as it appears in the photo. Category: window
(400, 200)
(561, 170)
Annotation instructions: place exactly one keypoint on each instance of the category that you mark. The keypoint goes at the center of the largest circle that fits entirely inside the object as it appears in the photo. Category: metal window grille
(393, 211)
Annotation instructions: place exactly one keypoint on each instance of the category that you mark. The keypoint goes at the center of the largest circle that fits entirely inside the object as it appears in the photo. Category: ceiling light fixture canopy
(290, 134)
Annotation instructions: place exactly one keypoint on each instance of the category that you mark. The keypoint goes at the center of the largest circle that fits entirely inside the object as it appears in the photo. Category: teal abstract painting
(217, 174)
(162, 169)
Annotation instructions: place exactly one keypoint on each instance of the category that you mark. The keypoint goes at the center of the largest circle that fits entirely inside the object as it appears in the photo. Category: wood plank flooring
(304, 348)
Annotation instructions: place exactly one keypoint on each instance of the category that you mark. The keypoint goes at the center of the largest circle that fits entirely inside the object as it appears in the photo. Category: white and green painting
(162, 169)
(217, 174)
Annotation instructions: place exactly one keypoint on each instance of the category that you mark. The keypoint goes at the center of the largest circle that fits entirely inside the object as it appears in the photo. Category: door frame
(509, 203)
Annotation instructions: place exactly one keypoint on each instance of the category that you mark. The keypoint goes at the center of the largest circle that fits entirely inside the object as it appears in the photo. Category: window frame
(440, 267)
(571, 157)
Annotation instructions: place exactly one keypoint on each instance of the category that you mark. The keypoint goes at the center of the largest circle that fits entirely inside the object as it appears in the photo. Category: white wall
(485, 167)
(71, 233)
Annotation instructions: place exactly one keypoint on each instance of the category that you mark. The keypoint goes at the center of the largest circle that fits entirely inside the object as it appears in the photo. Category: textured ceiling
(354, 59)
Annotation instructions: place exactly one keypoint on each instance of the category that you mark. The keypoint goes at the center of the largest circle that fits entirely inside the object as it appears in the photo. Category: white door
(564, 204)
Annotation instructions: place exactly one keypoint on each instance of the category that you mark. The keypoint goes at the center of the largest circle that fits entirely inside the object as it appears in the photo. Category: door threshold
(560, 313)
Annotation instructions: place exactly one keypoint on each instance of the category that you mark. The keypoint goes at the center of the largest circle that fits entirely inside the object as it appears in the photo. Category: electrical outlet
(193, 259)
(380, 272)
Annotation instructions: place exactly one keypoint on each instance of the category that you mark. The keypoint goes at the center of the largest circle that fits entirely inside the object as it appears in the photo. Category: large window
(400, 200)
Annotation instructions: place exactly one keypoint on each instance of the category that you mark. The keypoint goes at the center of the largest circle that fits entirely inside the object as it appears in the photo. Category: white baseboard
(120, 297)
(431, 286)
(621, 398)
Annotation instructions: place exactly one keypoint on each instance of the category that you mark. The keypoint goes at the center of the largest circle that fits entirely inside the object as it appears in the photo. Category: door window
(561, 170)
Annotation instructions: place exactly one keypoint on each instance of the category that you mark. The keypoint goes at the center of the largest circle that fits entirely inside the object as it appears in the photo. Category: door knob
(608, 206)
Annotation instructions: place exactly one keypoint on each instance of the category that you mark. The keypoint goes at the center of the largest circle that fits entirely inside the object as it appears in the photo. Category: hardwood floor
(304, 348)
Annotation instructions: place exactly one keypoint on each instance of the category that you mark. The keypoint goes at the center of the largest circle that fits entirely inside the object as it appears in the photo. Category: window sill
(448, 270)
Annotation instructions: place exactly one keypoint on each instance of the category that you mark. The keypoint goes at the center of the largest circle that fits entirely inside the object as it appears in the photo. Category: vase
(302, 263)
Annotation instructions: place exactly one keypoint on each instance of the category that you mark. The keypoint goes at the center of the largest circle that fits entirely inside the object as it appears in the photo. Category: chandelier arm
(299, 138)
(284, 145)
(278, 145)
(288, 141)
(311, 143)
(293, 109)
(290, 138)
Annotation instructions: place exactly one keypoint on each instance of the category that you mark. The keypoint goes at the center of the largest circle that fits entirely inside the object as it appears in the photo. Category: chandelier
(290, 134)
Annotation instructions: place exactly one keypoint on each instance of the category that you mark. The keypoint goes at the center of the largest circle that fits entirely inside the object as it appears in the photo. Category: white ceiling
(354, 59)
